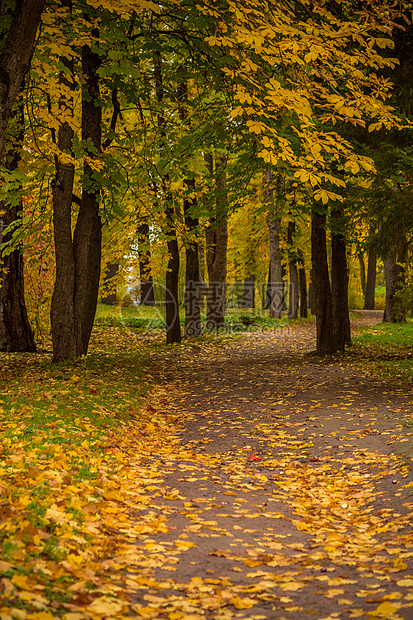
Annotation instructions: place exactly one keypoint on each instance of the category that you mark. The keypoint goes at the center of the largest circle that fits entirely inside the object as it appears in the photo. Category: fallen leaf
(104, 607)
(242, 603)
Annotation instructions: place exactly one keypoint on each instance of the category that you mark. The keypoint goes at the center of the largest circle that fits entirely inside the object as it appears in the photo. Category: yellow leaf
(20, 581)
(408, 583)
(113, 495)
(252, 563)
(145, 611)
(384, 610)
(75, 560)
(183, 544)
(242, 603)
(399, 564)
(236, 111)
(302, 175)
(18, 614)
(291, 586)
(104, 607)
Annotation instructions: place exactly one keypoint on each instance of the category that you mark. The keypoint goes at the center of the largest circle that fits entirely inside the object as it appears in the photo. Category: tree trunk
(390, 276)
(267, 295)
(274, 227)
(394, 273)
(110, 298)
(193, 287)
(77, 262)
(15, 58)
(303, 291)
(62, 311)
(145, 272)
(339, 281)
(362, 268)
(15, 331)
(320, 278)
(248, 298)
(193, 284)
(173, 327)
(216, 256)
(369, 300)
(87, 238)
(394, 310)
(293, 273)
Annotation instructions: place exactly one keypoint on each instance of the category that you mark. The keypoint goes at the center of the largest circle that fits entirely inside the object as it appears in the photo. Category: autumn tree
(15, 330)
(19, 22)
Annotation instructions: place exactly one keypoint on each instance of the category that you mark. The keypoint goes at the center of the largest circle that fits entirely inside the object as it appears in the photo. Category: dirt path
(288, 495)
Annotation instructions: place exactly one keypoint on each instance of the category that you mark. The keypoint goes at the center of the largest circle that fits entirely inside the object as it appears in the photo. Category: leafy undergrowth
(388, 349)
(66, 432)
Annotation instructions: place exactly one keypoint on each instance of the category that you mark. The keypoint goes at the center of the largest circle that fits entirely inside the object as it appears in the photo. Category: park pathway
(288, 494)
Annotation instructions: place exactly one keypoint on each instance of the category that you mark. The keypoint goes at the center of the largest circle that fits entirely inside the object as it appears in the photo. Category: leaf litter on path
(181, 523)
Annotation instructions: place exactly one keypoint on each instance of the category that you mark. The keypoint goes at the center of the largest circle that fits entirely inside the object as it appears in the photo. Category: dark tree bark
(390, 276)
(111, 272)
(267, 300)
(15, 58)
(193, 284)
(217, 242)
(87, 238)
(394, 310)
(322, 292)
(276, 288)
(360, 256)
(15, 331)
(173, 328)
(248, 297)
(311, 302)
(303, 288)
(394, 273)
(293, 273)
(369, 300)
(77, 261)
(62, 312)
(145, 272)
(303, 293)
(339, 281)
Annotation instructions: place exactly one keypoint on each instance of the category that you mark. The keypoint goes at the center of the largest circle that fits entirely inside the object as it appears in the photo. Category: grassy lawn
(62, 441)
(388, 350)
(152, 319)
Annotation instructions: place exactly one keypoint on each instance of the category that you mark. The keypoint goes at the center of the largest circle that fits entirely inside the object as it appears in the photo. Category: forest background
(156, 147)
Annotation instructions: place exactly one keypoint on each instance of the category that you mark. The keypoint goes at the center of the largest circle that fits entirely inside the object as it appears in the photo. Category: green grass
(60, 428)
(388, 337)
(387, 349)
(151, 319)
